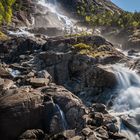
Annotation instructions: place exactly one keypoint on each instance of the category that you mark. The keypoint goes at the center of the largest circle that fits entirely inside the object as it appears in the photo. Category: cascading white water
(127, 102)
(128, 90)
(61, 20)
(49, 19)
(62, 116)
(54, 16)
(21, 32)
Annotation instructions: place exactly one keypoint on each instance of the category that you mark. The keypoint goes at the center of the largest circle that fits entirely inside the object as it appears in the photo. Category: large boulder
(20, 109)
(69, 104)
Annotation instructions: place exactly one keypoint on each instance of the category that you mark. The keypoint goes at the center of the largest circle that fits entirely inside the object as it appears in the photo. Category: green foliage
(81, 46)
(6, 10)
(98, 17)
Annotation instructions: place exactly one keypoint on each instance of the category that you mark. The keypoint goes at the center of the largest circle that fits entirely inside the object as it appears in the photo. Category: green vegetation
(6, 11)
(96, 16)
(84, 49)
(93, 50)
(81, 46)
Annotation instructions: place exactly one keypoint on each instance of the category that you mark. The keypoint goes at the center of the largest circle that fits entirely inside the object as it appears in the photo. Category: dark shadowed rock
(35, 134)
(99, 107)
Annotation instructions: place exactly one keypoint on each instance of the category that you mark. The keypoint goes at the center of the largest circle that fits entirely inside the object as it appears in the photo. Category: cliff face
(22, 11)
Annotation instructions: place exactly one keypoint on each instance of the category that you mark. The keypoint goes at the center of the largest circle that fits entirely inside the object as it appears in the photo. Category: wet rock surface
(44, 89)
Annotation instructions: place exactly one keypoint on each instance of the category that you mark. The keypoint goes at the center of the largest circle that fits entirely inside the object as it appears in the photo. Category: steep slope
(99, 4)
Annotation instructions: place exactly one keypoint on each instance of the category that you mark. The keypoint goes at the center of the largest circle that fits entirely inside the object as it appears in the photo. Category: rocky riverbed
(49, 88)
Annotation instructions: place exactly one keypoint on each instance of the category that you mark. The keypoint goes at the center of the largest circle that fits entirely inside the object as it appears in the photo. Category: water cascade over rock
(62, 116)
(51, 20)
(128, 90)
(127, 101)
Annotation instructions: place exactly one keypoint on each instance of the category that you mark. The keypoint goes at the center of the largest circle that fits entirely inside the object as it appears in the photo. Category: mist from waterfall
(55, 16)
(61, 20)
(128, 90)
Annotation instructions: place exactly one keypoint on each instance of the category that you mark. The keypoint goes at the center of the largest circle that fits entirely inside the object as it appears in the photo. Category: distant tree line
(97, 16)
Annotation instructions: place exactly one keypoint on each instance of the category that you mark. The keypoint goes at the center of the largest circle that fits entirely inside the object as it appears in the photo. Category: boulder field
(50, 88)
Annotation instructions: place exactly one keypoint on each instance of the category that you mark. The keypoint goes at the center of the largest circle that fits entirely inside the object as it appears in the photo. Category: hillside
(99, 4)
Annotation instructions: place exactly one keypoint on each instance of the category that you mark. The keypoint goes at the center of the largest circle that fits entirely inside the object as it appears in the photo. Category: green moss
(99, 54)
(85, 52)
(82, 46)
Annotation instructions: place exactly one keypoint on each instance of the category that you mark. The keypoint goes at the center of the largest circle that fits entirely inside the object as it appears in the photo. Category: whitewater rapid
(59, 18)
(128, 89)
(52, 6)
(126, 102)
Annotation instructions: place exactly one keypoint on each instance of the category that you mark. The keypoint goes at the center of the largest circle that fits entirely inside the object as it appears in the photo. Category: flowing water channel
(126, 105)
(128, 89)
(62, 117)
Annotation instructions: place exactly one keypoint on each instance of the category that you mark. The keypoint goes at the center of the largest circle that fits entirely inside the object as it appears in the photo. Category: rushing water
(62, 117)
(128, 89)
(21, 32)
(65, 22)
(127, 101)
(59, 19)
(14, 73)
(49, 15)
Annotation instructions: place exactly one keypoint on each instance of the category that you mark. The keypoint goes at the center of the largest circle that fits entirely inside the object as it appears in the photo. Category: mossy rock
(82, 46)
(3, 36)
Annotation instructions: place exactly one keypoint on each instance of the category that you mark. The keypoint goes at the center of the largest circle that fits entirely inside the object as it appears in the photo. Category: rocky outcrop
(23, 16)
(77, 69)
(71, 105)
(25, 108)
(33, 106)
(20, 110)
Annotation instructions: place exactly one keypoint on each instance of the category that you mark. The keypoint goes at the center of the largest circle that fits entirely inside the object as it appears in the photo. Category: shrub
(6, 10)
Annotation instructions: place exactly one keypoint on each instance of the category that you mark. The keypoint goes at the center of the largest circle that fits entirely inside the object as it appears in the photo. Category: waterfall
(128, 90)
(64, 22)
(126, 105)
(62, 117)
(58, 18)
